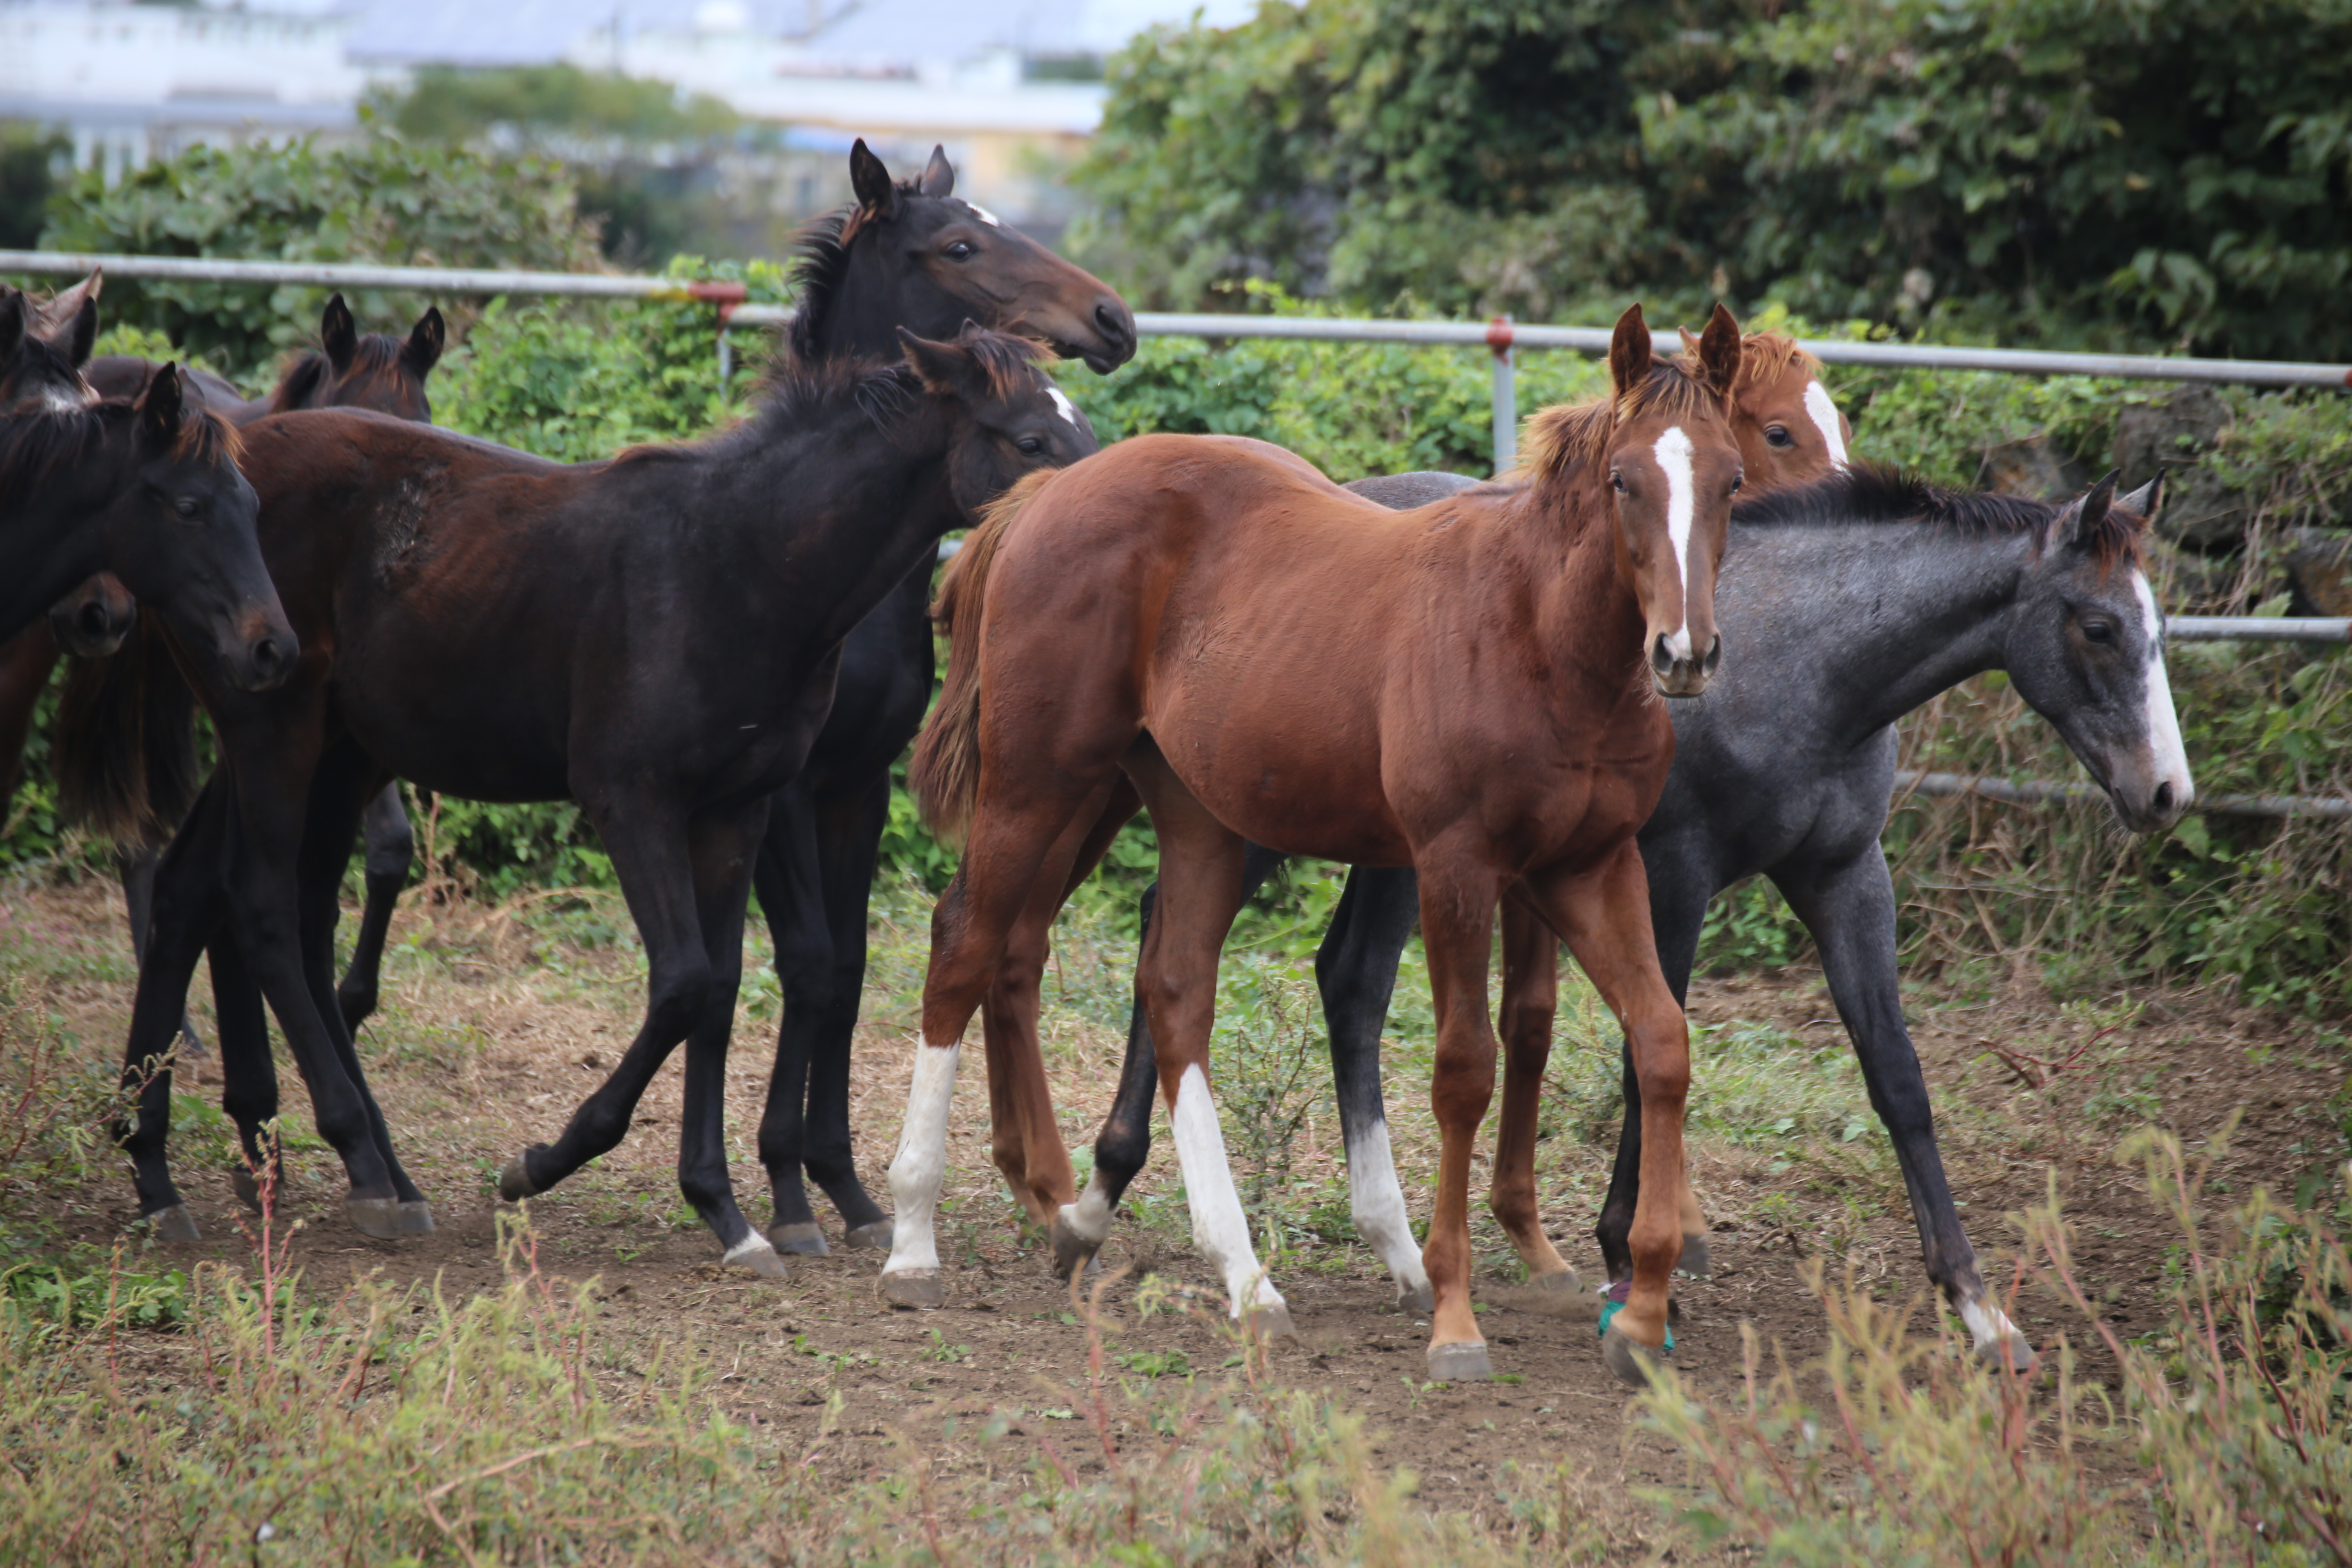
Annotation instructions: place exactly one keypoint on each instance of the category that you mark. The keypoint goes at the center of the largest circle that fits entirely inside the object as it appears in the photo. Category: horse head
(1789, 428)
(40, 375)
(1018, 421)
(2085, 650)
(374, 370)
(1673, 467)
(913, 254)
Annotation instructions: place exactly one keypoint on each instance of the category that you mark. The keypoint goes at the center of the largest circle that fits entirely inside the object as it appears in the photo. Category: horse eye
(1778, 436)
(1617, 481)
(2099, 631)
(1031, 446)
(960, 251)
(187, 506)
(1735, 482)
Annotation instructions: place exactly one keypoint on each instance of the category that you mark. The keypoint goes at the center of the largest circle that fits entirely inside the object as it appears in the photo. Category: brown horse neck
(1587, 617)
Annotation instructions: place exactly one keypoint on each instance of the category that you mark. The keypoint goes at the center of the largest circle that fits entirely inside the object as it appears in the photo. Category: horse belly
(1284, 773)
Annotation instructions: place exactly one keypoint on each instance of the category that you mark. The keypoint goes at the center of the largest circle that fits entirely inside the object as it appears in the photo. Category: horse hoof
(1694, 1260)
(1072, 1251)
(1564, 1283)
(1630, 1361)
(2013, 1356)
(416, 1217)
(754, 1255)
(248, 1190)
(514, 1182)
(173, 1224)
(1270, 1325)
(920, 1288)
(1417, 1300)
(805, 1238)
(1462, 1362)
(880, 1233)
(377, 1218)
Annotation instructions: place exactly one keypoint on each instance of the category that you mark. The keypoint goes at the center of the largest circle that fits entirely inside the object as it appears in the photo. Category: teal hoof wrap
(1610, 1310)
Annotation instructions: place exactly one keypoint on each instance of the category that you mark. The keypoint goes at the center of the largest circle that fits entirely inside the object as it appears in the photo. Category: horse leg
(1124, 1143)
(249, 1072)
(791, 896)
(1530, 1000)
(264, 877)
(1011, 838)
(1681, 883)
(1849, 908)
(848, 845)
(723, 843)
(135, 863)
(1355, 971)
(187, 908)
(345, 780)
(26, 662)
(1201, 891)
(647, 838)
(390, 848)
(1457, 921)
(1603, 915)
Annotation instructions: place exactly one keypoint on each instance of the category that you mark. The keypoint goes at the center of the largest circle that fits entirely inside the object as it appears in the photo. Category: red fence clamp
(726, 296)
(1498, 335)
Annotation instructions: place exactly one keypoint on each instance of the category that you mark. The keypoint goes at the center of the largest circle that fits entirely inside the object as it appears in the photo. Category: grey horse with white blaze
(1850, 602)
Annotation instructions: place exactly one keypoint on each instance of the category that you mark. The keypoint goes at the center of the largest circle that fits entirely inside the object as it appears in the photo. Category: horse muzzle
(264, 656)
(1683, 674)
(2146, 809)
(92, 621)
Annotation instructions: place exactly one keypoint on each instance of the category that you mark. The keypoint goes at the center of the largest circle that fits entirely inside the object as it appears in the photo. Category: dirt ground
(492, 1033)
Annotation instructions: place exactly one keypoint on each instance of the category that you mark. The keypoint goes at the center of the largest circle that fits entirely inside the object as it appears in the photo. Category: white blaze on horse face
(1824, 413)
(1064, 406)
(2170, 758)
(1378, 1203)
(1673, 454)
(922, 1160)
(1219, 1228)
(983, 215)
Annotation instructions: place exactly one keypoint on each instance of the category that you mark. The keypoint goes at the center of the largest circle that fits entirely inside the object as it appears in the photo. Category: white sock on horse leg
(1219, 1227)
(921, 1165)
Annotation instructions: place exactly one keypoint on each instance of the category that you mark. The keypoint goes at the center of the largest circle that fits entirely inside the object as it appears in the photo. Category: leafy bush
(377, 200)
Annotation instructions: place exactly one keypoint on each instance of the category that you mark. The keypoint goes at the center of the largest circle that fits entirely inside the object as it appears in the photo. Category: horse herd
(719, 648)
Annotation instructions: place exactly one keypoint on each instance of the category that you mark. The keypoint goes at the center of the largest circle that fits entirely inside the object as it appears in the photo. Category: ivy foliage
(378, 200)
(2151, 172)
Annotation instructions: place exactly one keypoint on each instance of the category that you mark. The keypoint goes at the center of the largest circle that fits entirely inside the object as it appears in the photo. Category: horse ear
(425, 341)
(2145, 500)
(1690, 342)
(85, 331)
(939, 174)
(2080, 522)
(340, 334)
(1630, 355)
(1719, 351)
(948, 369)
(871, 180)
(160, 410)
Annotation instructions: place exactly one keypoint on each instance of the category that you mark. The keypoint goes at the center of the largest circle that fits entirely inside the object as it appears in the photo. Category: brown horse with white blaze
(1469, 688)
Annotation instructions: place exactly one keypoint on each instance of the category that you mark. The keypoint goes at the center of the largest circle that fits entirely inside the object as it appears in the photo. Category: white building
(131, 82)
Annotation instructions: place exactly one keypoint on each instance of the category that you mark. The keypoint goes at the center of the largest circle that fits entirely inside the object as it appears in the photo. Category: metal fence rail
(2040, 792)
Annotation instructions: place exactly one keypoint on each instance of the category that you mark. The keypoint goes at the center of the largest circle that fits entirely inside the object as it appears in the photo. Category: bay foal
(1470, 688)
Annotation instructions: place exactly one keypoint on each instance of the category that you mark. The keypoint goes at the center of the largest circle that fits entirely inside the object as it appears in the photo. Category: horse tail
(125, 752)
(945, 770)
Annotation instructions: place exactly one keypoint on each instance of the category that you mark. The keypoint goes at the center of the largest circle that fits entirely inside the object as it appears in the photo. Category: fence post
(1507, 395)
(726, 361)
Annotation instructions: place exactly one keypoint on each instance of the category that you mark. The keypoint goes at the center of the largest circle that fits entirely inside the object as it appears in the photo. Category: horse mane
(206, 439)
(824, 266)
(1873, 493)
(34, 446)
(1562, 440)
(125, 755)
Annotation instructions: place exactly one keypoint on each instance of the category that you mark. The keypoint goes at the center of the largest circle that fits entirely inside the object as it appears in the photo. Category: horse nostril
(266, 655)
(1111, 322)
(1662, 659)
(1714, 654)
(94, 620)
(2163, 801)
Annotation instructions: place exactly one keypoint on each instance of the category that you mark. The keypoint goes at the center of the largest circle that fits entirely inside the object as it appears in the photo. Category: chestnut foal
(1468, 688)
